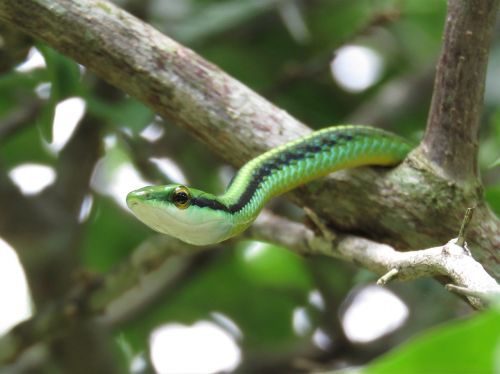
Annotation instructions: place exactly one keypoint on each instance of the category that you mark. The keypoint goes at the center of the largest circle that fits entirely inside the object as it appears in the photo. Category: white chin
(182, 225)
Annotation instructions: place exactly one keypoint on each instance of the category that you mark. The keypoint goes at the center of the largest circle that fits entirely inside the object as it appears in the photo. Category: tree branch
(450, 260)
(172, 79)
(451, 138)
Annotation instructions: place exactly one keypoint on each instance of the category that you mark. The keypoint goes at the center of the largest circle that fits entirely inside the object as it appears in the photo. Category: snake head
(188, 214)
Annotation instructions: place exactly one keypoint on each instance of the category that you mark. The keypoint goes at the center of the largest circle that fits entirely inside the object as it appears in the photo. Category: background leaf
(467, 346)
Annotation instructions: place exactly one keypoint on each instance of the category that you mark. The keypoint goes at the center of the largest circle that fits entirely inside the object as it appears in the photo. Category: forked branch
(451, 138)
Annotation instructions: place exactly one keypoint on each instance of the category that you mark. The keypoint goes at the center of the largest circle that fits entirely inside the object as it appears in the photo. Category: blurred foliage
(467, 346)
(64, 77)
(254, 41)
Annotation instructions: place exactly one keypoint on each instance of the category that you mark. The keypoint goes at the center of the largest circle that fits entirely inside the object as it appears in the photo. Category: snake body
(202, 218)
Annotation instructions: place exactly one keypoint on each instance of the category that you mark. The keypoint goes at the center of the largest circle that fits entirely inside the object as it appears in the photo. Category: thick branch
(238, 124)
(451, 138)
(173, 80)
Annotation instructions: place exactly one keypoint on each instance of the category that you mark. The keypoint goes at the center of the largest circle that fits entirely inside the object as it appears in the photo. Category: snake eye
(181, 197)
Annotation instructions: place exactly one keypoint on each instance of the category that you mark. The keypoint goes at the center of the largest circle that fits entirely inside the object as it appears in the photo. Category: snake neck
(322, 152)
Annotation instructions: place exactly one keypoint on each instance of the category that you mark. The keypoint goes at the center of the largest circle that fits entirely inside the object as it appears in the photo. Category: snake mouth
(135, 198)
(190, 228)
(132, 203)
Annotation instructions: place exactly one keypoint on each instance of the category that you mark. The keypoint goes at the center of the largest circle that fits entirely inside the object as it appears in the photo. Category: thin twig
(387, 277)
(474, 293)
(465, 225)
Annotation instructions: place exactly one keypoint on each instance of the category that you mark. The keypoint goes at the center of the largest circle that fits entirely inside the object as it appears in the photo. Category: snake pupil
(181, 197)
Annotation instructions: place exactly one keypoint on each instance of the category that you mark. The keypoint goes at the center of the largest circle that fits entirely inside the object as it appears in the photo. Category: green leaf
(495, 164)
(64, 76)
(128, 112)
(218, 17)
(272, 266)
(492, 196)
(25, 147)
(466, 346)
(109, 220)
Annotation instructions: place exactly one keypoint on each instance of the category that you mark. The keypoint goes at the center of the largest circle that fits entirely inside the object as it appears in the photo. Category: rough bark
(451, 138)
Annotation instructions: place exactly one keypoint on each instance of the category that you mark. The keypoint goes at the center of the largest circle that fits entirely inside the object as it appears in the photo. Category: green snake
(201, 218)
